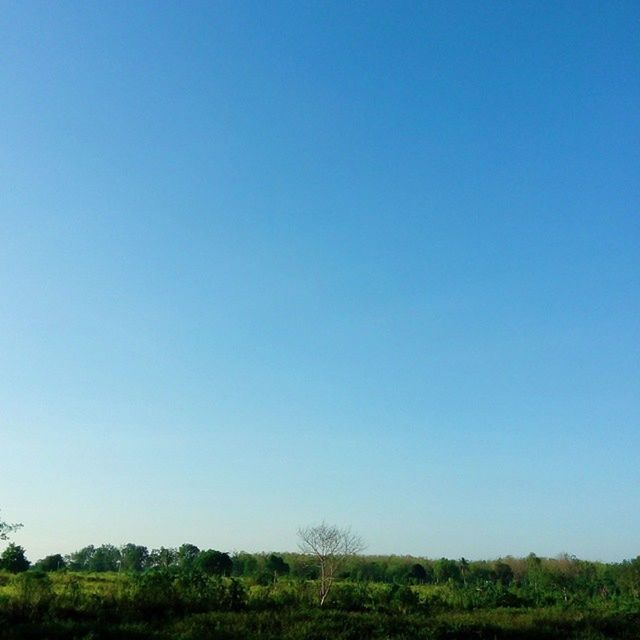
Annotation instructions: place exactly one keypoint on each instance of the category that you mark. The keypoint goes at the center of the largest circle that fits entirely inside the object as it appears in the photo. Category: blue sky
(264, 264)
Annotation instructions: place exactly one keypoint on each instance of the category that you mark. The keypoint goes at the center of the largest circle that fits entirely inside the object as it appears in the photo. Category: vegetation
(330, 546)
(6, 529)
(191, 594)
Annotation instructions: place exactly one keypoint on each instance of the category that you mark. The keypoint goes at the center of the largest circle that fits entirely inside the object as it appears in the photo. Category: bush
(32, 594)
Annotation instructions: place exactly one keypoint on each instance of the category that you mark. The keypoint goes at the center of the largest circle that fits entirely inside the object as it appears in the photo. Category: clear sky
(264, 264)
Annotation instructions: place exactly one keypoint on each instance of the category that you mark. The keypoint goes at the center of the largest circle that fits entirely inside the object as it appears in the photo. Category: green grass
(105, 606)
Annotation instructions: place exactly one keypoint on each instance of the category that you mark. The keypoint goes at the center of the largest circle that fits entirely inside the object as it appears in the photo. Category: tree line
(327, 589)
(163, 603)
(331, 555)
(565, 574)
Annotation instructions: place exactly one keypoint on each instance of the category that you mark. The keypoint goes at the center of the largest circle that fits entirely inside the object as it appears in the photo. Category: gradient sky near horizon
(264, 264)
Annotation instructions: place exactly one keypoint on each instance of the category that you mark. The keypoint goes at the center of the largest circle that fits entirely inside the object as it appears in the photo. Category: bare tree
(330, 546)
(6, 529)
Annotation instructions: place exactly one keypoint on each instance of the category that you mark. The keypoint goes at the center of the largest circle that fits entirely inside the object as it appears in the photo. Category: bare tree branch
(6, 529)
(330, 545)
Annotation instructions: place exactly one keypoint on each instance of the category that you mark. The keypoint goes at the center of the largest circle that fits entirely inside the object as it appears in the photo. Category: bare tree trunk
(331, 546)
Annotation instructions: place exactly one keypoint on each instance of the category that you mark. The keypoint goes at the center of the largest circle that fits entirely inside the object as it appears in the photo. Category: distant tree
(445, 570)
(13, 559)
(417, 574)
(463, 566)
(395, 569)
(629, 577)
(80, 560)
(133, 558)
(244, 564)
(6, 529)
(214, 563)
(537, 579)
(330, 546)
(301, 568)
(186, 556)
(534, 563)
(105, 558)
(369, 571)
(481, 574)
(163, 558)
(503, 573)
(276, 566)
(51, 563)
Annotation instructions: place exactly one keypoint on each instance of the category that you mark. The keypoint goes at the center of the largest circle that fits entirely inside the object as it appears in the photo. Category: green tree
(80, 560)
(463, 566)
(276, 566)
(244, 564)
(133, 557)
(537, 580)
(417, 574)
(186, 556)
(445, 570)
(629, 579)
(214, 563)
(105, 558)
(503, 573)
(368, 571)
(51, 563)
(163, 558)
(13, 559)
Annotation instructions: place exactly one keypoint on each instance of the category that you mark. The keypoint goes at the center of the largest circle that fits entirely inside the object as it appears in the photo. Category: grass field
(162, 605)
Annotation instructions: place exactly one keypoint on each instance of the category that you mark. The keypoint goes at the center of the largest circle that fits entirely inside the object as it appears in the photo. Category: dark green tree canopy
(417, 573)
(80, 560)
(162, 558)
(54, 562)
(105, 558)
(445, 569)
(503, 573)
(214, 563)
(134, 557)
(13, 559)
(186, 556)
(276, 565)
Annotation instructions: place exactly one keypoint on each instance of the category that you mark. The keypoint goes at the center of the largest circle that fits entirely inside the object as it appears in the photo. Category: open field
(170, 604)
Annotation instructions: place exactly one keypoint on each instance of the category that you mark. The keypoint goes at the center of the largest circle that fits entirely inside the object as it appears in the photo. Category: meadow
(267, 596)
